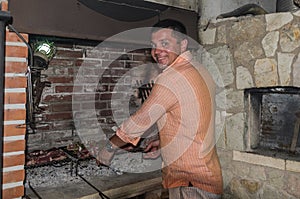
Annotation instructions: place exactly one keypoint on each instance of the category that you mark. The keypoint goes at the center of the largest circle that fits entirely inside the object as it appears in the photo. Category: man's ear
(184, 45)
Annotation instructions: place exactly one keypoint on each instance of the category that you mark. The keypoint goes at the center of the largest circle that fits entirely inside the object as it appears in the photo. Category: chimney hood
(125, 10)
(94, 19)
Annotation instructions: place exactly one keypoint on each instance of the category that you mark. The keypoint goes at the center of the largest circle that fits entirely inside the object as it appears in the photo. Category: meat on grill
(44, 156)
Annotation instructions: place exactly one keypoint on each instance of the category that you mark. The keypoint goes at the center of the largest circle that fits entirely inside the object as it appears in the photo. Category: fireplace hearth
(84, 178)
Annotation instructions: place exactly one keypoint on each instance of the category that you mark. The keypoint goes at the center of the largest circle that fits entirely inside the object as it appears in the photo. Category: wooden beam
(134, 189)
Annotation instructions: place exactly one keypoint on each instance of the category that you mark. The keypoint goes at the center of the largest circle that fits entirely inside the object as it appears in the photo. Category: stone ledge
(261, 160)
(293, 166)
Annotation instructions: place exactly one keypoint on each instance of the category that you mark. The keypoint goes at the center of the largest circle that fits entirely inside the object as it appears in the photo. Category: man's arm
(106, 153)
(162, 97)
(117, 142)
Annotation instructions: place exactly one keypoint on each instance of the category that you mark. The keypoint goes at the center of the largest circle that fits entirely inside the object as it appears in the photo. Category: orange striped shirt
(182, 104)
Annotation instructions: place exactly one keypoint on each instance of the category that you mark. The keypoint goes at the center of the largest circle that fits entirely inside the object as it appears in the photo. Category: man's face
(165, 47)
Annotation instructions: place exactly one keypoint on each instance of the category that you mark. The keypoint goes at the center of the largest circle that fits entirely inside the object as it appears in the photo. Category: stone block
(235, 132)
(293, 166)
(277, 20)
(259, 160)
(208, 36)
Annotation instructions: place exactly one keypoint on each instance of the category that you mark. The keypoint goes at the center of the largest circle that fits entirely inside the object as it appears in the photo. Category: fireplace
(272, 115)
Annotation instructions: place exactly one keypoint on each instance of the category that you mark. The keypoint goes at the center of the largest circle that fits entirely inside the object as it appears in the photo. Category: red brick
(15, 67)
(67, 89)
(14, 130)
(15, 98)
(114, 64)
(11, 146)
(121, 56)
(58, 98)
(140, 57)
(79, 62)
(115, 79)
(88, 63)
(91, 71)
(13, 160)
(102, 88)
(106, 72)
(105, 96)
(94, 105)
(118, 72)
(59, 71)
(61, 62)
(77, 89)
(85, 97)
(90, 79)
(13, 37)
(69, 54)
(73, 71)
(15, 192)
(58, 116)
(13, 176)
(112, 87)
(107, 80)
(120, 88)
(14, 114)
(15, 82)
(61, 107)
(89, 123)
(143, 51)
(105, 113)
(16, 51)
(131, 64)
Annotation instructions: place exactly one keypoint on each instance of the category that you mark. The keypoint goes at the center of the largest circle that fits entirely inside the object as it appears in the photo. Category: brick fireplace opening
(52, 126)
(272, 121)
(65, 102)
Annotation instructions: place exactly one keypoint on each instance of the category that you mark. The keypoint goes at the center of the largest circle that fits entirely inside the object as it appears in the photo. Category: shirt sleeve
(157, 104)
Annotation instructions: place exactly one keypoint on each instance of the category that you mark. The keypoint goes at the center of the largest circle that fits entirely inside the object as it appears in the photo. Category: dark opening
(272, 115)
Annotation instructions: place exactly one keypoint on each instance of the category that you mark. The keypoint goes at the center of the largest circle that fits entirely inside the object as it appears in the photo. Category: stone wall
(259, 51)
(211, 9)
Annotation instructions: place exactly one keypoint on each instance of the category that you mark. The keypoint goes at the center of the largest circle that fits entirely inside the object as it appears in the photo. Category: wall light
(44, 51)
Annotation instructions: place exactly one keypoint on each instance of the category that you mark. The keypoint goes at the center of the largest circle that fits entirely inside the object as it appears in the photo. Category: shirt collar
(182, 58)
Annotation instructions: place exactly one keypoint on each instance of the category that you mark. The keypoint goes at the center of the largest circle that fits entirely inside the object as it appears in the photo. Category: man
(182, 104)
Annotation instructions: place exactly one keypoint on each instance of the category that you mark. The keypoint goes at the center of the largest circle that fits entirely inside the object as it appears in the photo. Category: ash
(57, 175)
(131, 162)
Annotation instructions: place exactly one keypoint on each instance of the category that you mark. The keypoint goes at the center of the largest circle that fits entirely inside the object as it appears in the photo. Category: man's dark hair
(171, 24)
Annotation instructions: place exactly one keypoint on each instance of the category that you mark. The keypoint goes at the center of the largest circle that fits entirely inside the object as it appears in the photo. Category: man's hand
(104, 157)
(152, 151)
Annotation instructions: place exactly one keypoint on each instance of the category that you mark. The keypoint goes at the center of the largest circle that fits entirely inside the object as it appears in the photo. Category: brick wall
(55, 120)
(14, 115)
